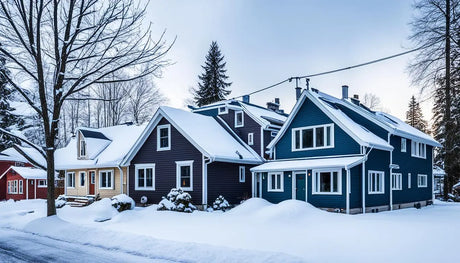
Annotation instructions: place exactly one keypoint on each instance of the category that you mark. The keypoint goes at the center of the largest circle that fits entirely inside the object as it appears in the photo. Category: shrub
(221, 204)
(123, 202)
(177, 200)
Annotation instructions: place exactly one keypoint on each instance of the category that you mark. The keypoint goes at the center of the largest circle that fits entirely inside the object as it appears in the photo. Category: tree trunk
(50, 175)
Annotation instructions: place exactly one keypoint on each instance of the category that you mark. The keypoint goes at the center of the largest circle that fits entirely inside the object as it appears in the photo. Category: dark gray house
(195, 152)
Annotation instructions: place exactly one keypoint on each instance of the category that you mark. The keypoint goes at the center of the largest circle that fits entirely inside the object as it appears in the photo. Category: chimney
(355, 99)
(277, 101)
(274, 106)
(246, 98)
(344, 92)
(298, 91)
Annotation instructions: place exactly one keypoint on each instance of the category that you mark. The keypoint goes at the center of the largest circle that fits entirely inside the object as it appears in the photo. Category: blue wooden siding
(356, 186)
(378, 160)
(371, 126)
(276, 197)
(309, 114)
(324, 200)
(223, 179)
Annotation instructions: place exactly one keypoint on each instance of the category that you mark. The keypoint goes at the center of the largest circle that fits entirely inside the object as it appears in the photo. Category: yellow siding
(84, 190)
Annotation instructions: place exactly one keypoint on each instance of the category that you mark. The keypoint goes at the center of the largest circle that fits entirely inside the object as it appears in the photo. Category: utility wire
(333, 71)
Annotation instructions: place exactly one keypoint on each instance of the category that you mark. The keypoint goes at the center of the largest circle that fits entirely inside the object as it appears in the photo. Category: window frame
(225, 111)
(415, 149)
(80, 178)
(242, 174)
(396, 181)
(251, 138)
(314, 147)
(403, 145)
(20, 186)
(160, 127)
(72, 174)
(315, 181)
(180, 164)
(42, 186)
(236, 119)
(369, 181)
(92, 179)
(278, 188)
(9, 187)
(418, 180)
(111, 179)
(409, 180)
(144, 166)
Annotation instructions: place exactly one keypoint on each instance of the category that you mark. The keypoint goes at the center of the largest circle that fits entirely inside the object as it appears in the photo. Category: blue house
(341, 156)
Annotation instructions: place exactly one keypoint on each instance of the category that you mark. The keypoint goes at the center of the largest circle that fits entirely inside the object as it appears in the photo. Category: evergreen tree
(8, 121)
(414, 116)
(213, 81)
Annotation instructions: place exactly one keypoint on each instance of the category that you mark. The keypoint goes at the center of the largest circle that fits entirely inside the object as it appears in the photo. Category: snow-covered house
(195, 152)
(339, 155)
(438, 180)
(25, 183)
(92, 160)
(255, 125)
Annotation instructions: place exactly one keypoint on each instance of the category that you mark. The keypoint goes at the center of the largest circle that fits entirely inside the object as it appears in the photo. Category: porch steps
(79, 202)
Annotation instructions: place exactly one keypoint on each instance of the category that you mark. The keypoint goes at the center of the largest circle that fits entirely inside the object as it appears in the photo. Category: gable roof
(204, 132)
(23, 154)
(359, 133)
(384, 120)
(265, 117)
(107, 152)
(27, 172)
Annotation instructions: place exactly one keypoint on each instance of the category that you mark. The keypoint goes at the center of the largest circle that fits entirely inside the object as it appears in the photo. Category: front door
(300, 186)
(92, 182)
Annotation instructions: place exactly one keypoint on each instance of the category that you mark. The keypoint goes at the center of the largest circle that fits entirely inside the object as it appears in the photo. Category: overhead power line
(333, 71)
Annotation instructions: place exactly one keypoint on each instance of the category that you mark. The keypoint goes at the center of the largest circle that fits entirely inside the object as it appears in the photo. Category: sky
(266, 41)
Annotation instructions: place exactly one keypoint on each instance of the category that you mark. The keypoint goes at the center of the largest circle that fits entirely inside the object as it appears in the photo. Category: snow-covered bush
(61, 201)
(221, 204)
(177, 200)
(123, 202)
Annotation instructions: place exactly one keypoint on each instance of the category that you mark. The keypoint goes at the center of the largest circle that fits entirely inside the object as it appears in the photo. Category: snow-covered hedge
(123, 202)
(61, 201)
(221, 204)
(177, 200)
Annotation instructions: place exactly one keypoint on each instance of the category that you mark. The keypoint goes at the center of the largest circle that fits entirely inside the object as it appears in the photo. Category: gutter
(121, 178)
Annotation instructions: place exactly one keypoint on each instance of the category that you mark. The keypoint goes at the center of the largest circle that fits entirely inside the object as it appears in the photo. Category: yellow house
(92, 160)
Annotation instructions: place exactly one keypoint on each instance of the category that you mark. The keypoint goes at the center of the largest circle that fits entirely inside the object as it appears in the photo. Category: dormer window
(164, 137)
(239, 119)
(223, 110)
(81, 146)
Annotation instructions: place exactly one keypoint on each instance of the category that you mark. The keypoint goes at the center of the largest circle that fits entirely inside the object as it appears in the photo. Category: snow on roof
(438, 171)
(122, 138)
(11, 154)
(28, 172)
(313, 163)
(34, 155)
(206, 133)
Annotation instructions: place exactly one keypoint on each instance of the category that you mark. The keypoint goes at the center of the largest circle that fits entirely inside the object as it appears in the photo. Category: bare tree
(371, 101)
(58, 48)
(143, 99)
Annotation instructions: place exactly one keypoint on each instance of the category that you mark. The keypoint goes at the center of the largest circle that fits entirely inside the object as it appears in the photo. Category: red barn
(25, 183)
(7, 160)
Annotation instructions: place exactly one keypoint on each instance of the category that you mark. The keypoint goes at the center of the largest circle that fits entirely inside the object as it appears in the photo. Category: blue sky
(268, 41)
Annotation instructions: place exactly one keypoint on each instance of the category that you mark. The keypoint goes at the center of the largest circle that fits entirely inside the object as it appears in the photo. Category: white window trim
(159, 127)
(225, 111)
(269, 182)
(86, 148)
(314, 137)
(20, 186)
(242, 119)
(242, 174)
(9, 187)
(73, 179)
(136, 176)
(409, 180)
(251, 138)
(403, 145)
(415, 146)
(369, 182)
(42, 186)
(79, 177)
(339, 181)
(111, 181)
(179, 164)
(418, 180)
(15, 187)
(396, 181)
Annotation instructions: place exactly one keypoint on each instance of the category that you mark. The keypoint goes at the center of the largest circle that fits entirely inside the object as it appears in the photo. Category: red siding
(4, 165)
(35, 192)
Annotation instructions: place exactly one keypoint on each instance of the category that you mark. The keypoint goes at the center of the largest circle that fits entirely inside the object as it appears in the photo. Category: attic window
(313, 137)
(223, 110)
(164, 137)
(239, 119)
(82, 147)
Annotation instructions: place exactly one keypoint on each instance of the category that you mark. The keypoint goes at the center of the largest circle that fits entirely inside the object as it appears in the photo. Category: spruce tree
(414, 116)
(213, 81)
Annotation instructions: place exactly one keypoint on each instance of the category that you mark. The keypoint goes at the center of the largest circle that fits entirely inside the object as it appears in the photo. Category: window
(273, 134)
(418, 149)
(242, 174)
(184, 175)
(145, 176)
(10, 187)
(275, 182)
(313, 137)
(422, 180)
(19, 164)
(396, 181)
(106, 179)
(82, 148)
(251, 138)
(403, 145)
(71, 179)
(239, 119)
(164, 137)
(82, 178)
(327, 182)
(92, 175)
(42, 183)
(409, 180)
(20, 186)
(15, 187)
(376, 182)
(223, 110)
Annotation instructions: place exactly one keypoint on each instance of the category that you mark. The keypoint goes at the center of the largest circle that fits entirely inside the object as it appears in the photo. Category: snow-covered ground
(256, 231)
